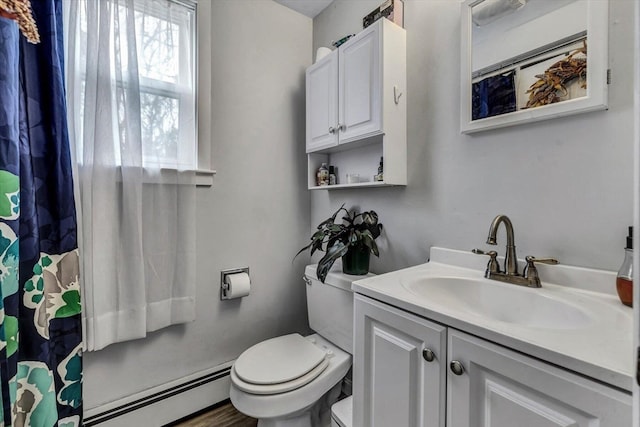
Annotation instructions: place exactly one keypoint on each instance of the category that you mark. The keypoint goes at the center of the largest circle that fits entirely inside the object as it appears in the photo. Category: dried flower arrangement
(552, 85)
(20, 11)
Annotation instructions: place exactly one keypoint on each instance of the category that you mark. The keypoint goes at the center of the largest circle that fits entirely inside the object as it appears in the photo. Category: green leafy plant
(356, 231)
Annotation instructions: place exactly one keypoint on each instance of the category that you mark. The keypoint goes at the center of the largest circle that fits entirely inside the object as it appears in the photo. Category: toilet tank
(330, 306)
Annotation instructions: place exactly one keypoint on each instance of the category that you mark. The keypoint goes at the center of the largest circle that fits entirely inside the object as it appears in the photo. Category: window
(167, 95)
(165, 50)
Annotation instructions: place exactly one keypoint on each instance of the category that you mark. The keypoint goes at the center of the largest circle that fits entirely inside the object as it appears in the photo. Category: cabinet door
(360, 82)
(502, 388)
(393, 383)
(322, 103)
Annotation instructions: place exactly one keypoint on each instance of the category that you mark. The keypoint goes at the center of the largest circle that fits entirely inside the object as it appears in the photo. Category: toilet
(291, 380)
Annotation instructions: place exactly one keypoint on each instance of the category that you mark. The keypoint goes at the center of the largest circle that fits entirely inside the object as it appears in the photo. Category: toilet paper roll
(322, 52)
(239, 285)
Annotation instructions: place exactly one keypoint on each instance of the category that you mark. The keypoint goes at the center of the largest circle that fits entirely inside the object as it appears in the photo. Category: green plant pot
(356, 261)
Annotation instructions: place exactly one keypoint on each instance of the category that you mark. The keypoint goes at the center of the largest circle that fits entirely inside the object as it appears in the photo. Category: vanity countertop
(601, 347)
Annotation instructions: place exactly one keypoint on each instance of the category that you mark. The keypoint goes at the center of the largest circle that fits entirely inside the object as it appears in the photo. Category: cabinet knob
(428, 355)
(342, 127)
(332, 130)
(456, 367)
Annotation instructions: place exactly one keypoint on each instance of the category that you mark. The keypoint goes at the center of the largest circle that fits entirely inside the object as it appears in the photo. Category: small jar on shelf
(332, 175)
(323, 175)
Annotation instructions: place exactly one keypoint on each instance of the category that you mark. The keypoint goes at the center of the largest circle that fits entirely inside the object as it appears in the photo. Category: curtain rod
(531, 54)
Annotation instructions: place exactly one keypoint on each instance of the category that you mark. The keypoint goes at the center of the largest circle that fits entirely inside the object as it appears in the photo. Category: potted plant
(353, 240)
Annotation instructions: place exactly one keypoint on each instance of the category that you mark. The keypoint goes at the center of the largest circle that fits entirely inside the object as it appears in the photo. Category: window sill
(198, 177)
(204, 177)
(170, 176)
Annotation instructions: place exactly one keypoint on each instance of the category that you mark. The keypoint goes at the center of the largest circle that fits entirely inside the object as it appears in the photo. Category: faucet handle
(530, 271)
(492, 266)
(531, 259)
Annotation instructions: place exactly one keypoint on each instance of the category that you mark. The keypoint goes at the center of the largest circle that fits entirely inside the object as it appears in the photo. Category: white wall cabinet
(322, 103)
(360, 84)
(487, 385)
(356, 101)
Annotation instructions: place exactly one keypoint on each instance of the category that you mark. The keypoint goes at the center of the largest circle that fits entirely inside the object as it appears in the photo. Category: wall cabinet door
(502, 388)
(322, 103)
(344, 93)
(399, 368)
(360, 85)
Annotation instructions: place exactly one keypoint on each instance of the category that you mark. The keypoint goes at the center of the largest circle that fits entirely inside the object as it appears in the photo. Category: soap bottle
(624, 280)
(323, 175)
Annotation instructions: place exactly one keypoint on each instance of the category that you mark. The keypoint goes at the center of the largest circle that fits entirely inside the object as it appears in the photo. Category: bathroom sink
(496, 301)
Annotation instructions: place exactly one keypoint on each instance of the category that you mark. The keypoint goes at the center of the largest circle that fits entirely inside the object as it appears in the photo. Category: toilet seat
(279, 365)
(281, 387)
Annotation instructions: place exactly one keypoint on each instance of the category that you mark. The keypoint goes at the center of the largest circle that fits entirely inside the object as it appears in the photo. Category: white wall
(566, 184)
(256, 214)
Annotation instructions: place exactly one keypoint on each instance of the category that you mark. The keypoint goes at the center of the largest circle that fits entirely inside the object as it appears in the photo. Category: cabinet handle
(428, 355)
(456, 367)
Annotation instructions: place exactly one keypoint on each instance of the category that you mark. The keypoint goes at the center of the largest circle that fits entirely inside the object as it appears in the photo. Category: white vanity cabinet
(399, 369)
(499, 387)
(356, 100)
(487, 385)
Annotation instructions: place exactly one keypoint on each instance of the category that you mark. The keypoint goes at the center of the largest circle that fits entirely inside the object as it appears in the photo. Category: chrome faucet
(510, 274)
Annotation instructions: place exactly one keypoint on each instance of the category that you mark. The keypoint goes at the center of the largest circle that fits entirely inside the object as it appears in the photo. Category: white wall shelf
(354, 185)
(356, 109)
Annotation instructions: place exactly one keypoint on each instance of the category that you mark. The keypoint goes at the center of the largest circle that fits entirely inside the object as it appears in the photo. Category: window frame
(199, 165)
(201, 33)
(203, 72)
(148, 85)
(201, 28)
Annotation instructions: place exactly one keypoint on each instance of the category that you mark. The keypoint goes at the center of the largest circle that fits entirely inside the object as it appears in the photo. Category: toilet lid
(278, 360)
(280, 387)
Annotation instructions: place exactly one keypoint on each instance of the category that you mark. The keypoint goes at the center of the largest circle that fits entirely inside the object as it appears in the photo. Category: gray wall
(256, 214)
(566, 183)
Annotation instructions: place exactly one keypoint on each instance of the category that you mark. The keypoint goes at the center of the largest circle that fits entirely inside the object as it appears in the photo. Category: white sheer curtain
(131, 108)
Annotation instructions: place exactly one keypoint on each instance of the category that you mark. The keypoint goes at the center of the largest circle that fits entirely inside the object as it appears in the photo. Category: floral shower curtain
(40, 332)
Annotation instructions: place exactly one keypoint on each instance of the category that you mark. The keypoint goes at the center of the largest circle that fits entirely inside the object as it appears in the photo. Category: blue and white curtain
(40, 325)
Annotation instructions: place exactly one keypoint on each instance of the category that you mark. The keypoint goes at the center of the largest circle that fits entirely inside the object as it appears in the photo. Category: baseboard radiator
(165, 403)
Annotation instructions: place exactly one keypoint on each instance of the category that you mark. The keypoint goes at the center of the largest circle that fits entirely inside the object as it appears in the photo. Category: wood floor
(223, 416)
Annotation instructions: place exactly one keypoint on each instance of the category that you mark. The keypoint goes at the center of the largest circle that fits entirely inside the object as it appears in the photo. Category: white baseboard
(166, 403)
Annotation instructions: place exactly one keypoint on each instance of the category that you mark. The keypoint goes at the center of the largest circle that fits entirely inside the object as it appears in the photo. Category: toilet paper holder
(224, 286)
